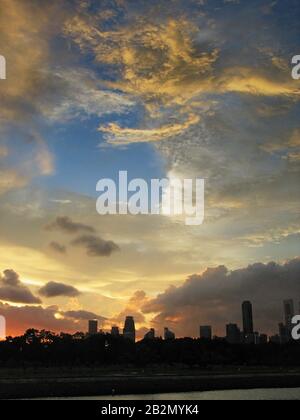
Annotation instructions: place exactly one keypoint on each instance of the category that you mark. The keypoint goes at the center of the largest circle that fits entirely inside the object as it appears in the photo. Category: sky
(178, 89)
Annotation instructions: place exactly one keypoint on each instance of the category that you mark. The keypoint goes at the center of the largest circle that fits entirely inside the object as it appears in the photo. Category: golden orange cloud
(158, 61)
(117, 135)
(161, 65)
(23, 41)
(25, 32)
(245, 80)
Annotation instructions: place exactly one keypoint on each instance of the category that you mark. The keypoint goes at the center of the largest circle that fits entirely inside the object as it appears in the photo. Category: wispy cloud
(66, 225)
(117, 135)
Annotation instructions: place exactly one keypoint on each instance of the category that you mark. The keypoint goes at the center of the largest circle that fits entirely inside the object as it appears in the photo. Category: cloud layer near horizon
(212, 298)
(19, 319)
(215, 298)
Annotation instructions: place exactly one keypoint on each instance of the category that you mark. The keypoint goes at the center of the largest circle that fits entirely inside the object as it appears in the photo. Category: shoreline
(140, 384)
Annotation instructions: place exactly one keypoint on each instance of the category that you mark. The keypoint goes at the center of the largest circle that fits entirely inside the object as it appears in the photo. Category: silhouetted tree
(45, 348)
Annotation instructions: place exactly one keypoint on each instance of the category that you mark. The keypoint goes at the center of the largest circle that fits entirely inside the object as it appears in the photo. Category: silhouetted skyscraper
(284, 334)
(247, 318)
(93, 327)
(233, 334)
(289, 313)
(206, 332)
(115, 331)
(129, 329)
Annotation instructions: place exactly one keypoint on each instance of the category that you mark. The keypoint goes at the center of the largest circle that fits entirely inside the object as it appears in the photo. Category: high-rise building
(169, 335)
(263, 339)
(115, 332)
(129, 329)
(150, 335)
(233, 334)
(284, 334)
(275, 339)
(289, 313)
(247, 318)
(93, 327)
(206, 332)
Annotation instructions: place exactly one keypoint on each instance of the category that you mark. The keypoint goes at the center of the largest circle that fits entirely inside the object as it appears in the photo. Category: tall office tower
(169, 335)
(150, 335)
(263, 339)
(206, 332)
(289, 313)
(247, 318)
(115, 331)
(284, 334)
(93, 327)
(129, 329)
(233, 334)
(275, 339)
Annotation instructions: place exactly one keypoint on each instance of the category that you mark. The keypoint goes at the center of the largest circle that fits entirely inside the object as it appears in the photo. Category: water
(238, 395)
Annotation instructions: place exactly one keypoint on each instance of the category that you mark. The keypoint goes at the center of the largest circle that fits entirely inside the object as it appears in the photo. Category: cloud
(32, 88)
(84, 96)
(17, 169)
(215, 297)
(41, 79)
(25, 46)
(40, 162)
(55, 246)
(43, 86)
(83, 315)
(158, 61)
(96, 246)
(290, 142)
(3, 151)
(171, 63)
(11, 179)
(117, 135)
(44, 159)
(295, 139)
(53, 289)
(132, 308)
(247, 81)
(19, 319)
(66, 225)
(12, 290)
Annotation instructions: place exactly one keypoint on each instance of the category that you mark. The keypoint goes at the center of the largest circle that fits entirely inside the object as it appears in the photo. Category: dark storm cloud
(12, 290)
(66, 225)
(96, 246)
(55, 246)
(215, 297)
(53, 289)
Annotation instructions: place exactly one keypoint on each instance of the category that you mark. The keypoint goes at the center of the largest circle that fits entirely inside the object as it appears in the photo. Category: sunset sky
(160, 88)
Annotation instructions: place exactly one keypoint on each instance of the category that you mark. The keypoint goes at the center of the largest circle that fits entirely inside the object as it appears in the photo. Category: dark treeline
(43, 348)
